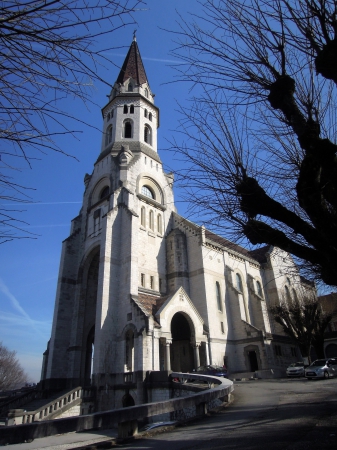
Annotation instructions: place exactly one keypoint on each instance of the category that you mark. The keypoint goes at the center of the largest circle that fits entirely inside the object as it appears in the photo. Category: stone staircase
(60, 404)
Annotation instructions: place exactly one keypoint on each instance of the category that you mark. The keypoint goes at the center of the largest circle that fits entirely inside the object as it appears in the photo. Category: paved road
(266, 415)
(271, 414)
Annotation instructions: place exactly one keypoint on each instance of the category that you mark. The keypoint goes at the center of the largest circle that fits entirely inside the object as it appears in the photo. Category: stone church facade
(141, 288)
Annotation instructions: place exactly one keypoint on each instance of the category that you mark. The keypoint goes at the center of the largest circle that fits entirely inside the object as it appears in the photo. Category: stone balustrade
(48, 410)
(126, 418)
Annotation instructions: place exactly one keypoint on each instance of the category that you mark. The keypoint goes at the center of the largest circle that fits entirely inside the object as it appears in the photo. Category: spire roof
(133, 66)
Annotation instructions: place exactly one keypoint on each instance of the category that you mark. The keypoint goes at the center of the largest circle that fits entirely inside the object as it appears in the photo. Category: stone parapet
(124, 417)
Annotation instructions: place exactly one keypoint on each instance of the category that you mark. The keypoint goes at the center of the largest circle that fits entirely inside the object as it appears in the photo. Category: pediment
(179, 302)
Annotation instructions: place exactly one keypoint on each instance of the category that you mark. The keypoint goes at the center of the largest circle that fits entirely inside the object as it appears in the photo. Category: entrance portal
(330, 350)
(182, 359)
(253, 361)
(127, 401)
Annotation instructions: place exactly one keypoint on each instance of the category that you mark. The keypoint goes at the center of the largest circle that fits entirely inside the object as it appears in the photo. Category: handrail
(47, 410)
(19, 400)
(185, 377)
(107, 419)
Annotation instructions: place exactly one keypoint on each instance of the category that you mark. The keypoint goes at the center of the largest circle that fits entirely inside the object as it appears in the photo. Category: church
(140, 288)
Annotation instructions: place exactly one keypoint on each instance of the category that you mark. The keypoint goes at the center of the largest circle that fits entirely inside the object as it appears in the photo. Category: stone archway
(331, 350)
(128, 400)
(252, 358)
(181, 352)
(89, 355)
(88, 313)
(129, 351)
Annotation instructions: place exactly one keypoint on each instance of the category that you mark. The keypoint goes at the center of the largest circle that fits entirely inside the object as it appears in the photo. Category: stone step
(40, 402)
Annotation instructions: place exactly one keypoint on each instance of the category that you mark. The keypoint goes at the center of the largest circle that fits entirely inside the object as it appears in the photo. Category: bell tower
(130, 115)
(113, 264)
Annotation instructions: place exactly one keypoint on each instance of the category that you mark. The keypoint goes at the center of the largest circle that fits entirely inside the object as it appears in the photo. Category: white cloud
(19, 324)
(17, 334)
(28, 321)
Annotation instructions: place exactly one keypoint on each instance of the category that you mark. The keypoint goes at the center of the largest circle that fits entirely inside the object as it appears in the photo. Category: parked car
(322, 368)
(295, 369)
(217, 371)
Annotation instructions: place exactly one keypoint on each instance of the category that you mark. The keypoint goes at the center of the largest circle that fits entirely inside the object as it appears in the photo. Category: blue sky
(29, 268)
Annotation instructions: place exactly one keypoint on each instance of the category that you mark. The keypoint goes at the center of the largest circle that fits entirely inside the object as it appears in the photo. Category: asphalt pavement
(291, 414)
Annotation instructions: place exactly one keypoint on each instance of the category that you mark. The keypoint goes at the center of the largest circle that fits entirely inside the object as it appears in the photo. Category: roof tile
(133, 66)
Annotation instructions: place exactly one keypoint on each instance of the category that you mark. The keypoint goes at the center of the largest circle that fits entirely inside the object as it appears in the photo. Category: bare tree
(305, 322)
(12, 374)
(260, 134)
(49, 50)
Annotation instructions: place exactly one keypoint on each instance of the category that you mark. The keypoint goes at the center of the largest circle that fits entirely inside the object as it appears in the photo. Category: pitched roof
(133, 66)
(150, 304)
(225, 243)
(309, 282)
(258, 254)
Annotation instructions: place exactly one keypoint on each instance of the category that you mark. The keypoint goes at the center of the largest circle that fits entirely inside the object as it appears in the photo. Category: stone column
(196, 346)
(167, 354)
(207, 353)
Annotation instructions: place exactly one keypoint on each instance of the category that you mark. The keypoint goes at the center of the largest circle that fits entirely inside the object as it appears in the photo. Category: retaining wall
(126, 418)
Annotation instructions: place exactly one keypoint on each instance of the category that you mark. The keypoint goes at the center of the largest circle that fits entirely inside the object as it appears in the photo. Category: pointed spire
(133, 65)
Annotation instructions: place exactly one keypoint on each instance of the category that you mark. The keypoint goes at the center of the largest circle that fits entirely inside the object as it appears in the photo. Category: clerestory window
(147, 135)
(218, 296)
(128, 129)
(259, 289)
(147, 192)
(239, 286)
(108, 135)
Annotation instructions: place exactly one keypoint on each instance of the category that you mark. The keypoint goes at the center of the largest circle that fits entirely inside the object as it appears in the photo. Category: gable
(180, 302)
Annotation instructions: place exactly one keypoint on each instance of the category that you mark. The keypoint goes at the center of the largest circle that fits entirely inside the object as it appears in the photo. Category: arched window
(129, 351)
(142, 216)
(132, 109)
(125, 109)
(147, 135)
(259, 289)
(151, 221)
(295, 297)
(108, 135)
(218, 296)
(130, 87)
(146, 92)
(108, 117)
(159, 224)
(112, 113)
(104, 192)
(128, 129)
(288, 296)
(145, 112)
(147, 192)
(239, 286)
(150, 117)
